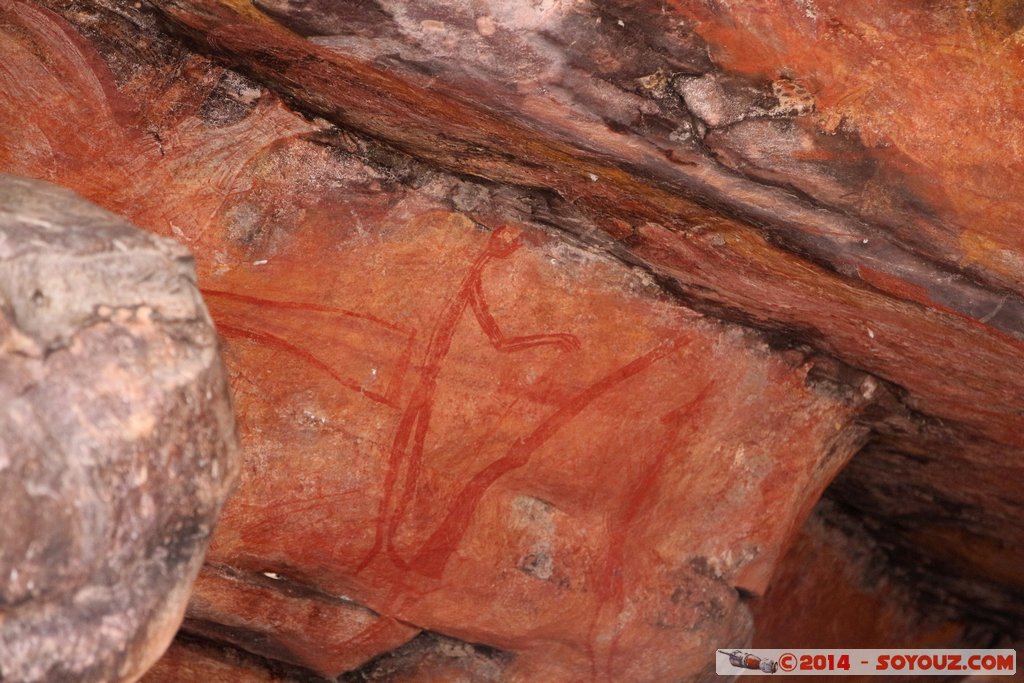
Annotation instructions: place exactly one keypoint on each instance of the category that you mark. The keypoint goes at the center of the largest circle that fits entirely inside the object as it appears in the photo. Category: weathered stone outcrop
(117, 441)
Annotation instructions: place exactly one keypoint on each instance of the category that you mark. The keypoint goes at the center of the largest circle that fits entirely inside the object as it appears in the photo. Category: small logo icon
(745, 660)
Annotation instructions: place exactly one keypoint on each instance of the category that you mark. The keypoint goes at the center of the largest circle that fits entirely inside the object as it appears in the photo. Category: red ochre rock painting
(452, 424)
(478, 431)
(550, 458)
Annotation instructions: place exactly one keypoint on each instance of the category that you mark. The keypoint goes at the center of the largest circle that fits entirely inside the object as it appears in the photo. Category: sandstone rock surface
(117, 441)
(550, 322)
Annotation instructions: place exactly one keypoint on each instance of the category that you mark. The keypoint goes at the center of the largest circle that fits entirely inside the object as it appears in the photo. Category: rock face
(549, 323)
(117, 442)
(833, 590)
(605, 424)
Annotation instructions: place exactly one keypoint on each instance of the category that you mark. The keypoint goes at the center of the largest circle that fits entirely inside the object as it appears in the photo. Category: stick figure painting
(453, 416)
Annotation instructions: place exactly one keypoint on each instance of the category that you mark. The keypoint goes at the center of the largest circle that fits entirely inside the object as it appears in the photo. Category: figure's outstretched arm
(566, 342)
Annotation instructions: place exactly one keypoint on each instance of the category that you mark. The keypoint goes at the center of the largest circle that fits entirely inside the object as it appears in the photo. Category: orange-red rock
(597, 458)
(437, 417)
(210, 663)
(933, 92)
(831, 591)
(519, 436)
(289, 622)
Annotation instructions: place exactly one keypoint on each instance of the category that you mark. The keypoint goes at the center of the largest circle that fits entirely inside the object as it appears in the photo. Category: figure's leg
(414, 466)
(399, 446)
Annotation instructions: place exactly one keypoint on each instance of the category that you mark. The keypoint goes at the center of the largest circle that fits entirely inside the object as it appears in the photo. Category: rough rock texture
(117, 442)
(741, 249)
(580, 486)
(428, 658)
(834, 590)
(189, 659)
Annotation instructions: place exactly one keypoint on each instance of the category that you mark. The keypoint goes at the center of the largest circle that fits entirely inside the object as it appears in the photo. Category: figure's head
(504, 241)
